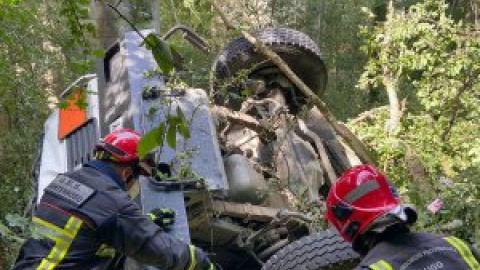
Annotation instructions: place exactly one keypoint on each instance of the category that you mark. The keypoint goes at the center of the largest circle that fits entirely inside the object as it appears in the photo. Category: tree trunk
(106, 19)
(391, 85)
(391, 82)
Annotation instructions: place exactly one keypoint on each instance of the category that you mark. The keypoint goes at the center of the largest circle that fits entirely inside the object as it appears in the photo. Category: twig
(126, 20)
(132, 26)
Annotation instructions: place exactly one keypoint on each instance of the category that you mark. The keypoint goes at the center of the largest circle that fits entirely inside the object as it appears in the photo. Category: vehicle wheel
(323, 250)
(297, 49)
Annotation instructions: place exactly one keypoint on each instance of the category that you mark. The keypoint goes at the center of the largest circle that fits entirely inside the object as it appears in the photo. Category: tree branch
(395, 114)
(367, 115)
(126, 20)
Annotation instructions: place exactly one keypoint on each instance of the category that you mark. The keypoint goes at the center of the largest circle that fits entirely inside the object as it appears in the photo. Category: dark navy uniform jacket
(85, 215)
(421, 251)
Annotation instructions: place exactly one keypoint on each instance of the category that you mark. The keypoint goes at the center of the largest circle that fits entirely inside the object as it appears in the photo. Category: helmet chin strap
(400, 214)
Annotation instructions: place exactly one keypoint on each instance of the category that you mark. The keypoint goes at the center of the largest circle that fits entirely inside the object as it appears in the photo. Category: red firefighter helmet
(121, 146)
(360, 198)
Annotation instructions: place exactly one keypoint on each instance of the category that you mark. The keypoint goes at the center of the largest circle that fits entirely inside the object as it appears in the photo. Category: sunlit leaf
(184, 130)
(172, 136)
(151, 140)
(161, 51)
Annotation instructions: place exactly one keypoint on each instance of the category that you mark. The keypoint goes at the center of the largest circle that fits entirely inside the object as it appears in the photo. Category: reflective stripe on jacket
(85, 216)
(421, 251)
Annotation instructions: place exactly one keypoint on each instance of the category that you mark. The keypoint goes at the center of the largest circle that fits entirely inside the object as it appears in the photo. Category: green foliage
(165, 131)
(76, 41)
(11, 2)
(38, 57)
(151, 140)
(162, 52)
(436, 59)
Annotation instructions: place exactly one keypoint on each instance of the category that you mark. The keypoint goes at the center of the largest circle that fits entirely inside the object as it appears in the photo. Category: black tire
(323, 250)
(297, 49)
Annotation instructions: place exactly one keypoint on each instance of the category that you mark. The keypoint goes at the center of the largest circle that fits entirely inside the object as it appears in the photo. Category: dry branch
(367, 115)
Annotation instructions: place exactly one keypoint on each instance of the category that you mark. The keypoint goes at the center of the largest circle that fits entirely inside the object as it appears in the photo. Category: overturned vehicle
(248, 176)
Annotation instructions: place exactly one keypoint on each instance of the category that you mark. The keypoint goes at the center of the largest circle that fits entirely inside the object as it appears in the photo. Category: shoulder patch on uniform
(70, 189)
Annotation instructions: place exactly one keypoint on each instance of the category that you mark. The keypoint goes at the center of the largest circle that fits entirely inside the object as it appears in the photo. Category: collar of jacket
(106, 169)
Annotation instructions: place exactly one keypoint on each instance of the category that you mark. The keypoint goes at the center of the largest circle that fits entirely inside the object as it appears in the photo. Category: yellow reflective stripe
(105, 251)
(49, 233)
(193, 260)
(50, 226)
(73, 225)
(381, 265)
(464, 251)
(62, 245)
(211, 267)
(54, 257)
(385, 265)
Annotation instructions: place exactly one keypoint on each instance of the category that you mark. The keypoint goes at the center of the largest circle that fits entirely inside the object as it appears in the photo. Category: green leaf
(173, 120)
(161, 51)
(151, 140)
(180, 114)
(183, 130)
(172, 136)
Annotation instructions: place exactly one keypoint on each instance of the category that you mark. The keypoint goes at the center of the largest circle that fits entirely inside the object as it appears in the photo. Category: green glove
(163, 217)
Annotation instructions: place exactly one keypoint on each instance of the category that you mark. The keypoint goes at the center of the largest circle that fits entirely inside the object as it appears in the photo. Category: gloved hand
(163, 217)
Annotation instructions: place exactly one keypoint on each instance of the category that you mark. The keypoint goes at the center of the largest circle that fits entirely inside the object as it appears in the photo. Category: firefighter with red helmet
(85, 217)
(365, 209)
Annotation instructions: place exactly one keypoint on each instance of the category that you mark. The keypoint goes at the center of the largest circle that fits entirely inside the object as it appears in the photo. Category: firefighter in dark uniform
(85, 216)
(364, 207)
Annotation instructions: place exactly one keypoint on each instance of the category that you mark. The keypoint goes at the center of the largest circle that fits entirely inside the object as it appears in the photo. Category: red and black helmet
(361, 197)
(121, 146)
